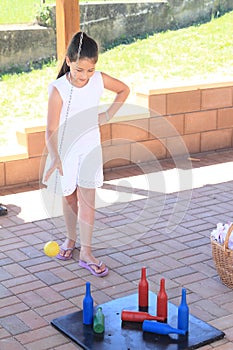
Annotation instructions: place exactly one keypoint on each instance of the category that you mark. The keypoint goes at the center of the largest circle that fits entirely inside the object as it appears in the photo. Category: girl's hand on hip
(103, 118)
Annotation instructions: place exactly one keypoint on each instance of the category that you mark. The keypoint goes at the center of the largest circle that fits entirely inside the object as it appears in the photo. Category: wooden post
(67, 23)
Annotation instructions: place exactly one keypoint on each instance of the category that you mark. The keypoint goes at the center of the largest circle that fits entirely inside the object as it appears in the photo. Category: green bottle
(98, 324)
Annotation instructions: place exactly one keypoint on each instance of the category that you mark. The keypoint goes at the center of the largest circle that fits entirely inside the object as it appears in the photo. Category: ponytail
(64, 69)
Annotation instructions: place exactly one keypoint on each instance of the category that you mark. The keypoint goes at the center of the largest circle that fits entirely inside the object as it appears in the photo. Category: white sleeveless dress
(79, 136)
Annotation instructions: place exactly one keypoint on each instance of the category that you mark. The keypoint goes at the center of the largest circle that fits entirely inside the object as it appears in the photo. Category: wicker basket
(223, 259)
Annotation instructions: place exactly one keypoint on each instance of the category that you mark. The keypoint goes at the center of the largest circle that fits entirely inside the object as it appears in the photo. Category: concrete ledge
(181, 86)
(26, 44)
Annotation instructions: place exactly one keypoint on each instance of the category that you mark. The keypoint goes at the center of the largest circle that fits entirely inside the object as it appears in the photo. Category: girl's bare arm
(121, 89)
(53, 118)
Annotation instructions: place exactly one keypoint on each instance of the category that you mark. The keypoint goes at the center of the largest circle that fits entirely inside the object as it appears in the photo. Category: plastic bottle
(162, 301)
(98, 324)
(160, 328)
(88, 306)
(183, 313)
(143, 288)
(138, 316)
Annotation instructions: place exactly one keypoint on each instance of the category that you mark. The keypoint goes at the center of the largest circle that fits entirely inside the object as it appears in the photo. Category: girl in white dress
(76, 151)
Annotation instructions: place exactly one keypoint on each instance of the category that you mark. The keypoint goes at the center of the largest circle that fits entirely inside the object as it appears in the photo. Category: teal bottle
(183, 313)
(98, 324)
(88, 305)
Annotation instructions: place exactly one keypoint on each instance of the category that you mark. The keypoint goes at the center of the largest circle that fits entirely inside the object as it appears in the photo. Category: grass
(194, 51)
(18, 12)
(191, 53)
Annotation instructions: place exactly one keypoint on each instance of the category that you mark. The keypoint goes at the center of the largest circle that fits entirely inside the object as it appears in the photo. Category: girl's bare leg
(86, 217)
(70, 211)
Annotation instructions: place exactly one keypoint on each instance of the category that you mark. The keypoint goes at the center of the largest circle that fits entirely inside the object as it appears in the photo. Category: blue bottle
(160, 328)
(88, 306)
(183, 313)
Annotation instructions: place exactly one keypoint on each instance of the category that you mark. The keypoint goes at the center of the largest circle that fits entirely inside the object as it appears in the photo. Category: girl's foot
(88, 261)
(66, 250)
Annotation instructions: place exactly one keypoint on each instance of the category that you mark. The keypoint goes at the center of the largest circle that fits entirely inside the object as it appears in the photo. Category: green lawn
(196, 52)
(19, 11)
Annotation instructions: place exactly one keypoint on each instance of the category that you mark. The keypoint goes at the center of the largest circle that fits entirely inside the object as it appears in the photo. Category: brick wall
(165, 122)
(201, 114)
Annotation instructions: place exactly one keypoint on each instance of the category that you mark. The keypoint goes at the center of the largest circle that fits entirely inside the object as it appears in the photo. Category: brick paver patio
(136, 224)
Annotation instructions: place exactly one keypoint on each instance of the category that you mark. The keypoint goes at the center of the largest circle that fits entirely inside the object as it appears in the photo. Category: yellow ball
(51, 248)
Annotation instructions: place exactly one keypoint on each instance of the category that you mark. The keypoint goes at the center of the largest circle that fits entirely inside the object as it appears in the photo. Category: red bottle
(138, 316)
(143, 288)
(162, 301)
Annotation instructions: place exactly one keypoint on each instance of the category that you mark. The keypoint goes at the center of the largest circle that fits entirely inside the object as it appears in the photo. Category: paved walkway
(159, 215)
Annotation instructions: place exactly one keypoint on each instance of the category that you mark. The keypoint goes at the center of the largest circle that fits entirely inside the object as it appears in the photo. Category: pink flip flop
(88, 267)
(62, 257)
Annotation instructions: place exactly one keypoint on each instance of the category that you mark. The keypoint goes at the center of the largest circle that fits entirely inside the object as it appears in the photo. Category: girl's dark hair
(89, 49)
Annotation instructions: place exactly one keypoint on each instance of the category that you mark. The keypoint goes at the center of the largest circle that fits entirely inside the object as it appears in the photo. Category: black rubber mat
(129, 336)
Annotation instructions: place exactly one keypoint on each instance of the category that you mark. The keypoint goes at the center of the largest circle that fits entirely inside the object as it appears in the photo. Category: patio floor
(159, 216)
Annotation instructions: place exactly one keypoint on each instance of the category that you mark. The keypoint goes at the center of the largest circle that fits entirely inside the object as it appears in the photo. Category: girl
(73, 105)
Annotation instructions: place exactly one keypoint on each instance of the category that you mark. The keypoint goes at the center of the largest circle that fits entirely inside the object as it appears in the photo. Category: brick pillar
(67, 23)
